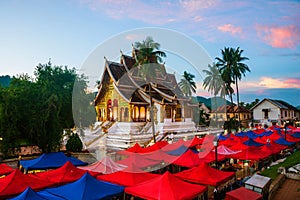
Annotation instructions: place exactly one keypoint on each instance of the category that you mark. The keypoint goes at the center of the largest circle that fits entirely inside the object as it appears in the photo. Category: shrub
(74, 143)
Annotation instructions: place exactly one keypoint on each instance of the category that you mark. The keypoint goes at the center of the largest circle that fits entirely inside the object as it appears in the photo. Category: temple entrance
(139, 114)
(109, 113)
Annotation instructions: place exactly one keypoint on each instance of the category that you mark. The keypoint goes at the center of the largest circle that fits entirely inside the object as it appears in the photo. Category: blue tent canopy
(50, 160)
(295, 135)
(29, 194)
(284, 142)
(251, 134)
(252, 143)
(86, 187)
(223, 137)
(179, 151)
(241, 134)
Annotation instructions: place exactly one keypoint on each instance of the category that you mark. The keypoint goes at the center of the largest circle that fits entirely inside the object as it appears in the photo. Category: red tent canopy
(16, 182)
(157, 146)
(127, 178)
(252, 153)
(65, 174)
(194, 142)
(204, 174)
(139, 160)
(160, 156)
(239, 146)
(210, 156)
(188, 159)
(223, 150)
(243, 194)
(173, 146)
(5, 169)
(166, 187)
(231, 140)
(136, 148)
(104, 166)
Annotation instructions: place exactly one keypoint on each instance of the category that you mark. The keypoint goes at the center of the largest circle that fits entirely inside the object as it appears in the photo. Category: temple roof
(134, 88)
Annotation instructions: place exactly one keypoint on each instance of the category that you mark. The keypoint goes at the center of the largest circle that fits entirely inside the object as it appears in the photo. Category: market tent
(188, 159)
(178, 151)
(127, 178)
(205, 175)
(243, 194)
(231, 141)
(5, 169)
(210, 156)
(29, 194)
(160, 156)
(157, 146)
(252, 143)
(104, 166)
(65, 174)
(282, 141)
(175, 145)
(239, 146)
(252, 153)
(166, 187)
(136, 148)
(16, 182)
(223, 150)
(87, 187)
(194, 142)
(50, 161)
(138, 160)
(295, 135)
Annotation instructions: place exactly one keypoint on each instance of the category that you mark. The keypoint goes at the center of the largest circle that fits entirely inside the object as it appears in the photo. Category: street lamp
(215, 142)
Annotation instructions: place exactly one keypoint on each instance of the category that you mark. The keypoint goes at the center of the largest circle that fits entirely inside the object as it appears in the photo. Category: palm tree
(148, 55)
(232, 69)
(187, 84)
(214, 83)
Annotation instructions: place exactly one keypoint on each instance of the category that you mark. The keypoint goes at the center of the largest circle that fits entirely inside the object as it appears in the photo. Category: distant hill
(298, 107)
(209, 102)
(5, 81)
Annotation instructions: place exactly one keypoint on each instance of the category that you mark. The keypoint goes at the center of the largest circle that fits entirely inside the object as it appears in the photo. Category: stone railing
(275, 185)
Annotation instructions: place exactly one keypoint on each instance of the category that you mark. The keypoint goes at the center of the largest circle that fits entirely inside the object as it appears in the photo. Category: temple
(125, 95)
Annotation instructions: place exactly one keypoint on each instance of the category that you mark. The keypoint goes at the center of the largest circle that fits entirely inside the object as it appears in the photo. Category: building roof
(231, 109)
(258, 181)
(128, 81)
(278, 103)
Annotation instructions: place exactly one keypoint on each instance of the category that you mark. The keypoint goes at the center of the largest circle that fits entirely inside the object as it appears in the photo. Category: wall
(274, 113)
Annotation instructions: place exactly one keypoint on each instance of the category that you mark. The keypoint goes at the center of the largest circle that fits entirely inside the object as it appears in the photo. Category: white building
(270, 111)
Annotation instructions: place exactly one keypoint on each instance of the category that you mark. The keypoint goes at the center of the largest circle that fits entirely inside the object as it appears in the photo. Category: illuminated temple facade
(123, 101)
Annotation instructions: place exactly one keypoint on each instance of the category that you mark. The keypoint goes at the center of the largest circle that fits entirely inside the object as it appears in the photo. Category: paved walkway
(288, 190)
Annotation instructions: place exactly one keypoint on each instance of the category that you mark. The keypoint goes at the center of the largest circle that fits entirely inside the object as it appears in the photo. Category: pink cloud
(280, 37)
(230, 29)
(269, 82)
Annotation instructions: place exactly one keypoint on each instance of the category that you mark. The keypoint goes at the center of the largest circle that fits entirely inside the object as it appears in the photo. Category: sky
(69, 31)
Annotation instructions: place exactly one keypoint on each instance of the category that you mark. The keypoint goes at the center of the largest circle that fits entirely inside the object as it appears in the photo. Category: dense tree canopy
(36, 111)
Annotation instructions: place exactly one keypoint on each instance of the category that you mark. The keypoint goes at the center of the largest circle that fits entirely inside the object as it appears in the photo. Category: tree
(36, 111)
(147, 58)
(74, 143)
(213, 83)
(187, 84)
(232, 68)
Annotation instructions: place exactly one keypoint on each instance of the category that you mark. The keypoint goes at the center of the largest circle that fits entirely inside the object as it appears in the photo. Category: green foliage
(36, 111)
(5, 81)
(231, 124)
(74, 143)
(187, 84)
(289, 162)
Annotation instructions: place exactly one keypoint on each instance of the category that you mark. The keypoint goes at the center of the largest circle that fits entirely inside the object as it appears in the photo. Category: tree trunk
(238, 100)
(152, 114)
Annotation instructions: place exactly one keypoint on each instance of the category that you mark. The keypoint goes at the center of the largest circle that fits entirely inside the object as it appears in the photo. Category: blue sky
(67, 31)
